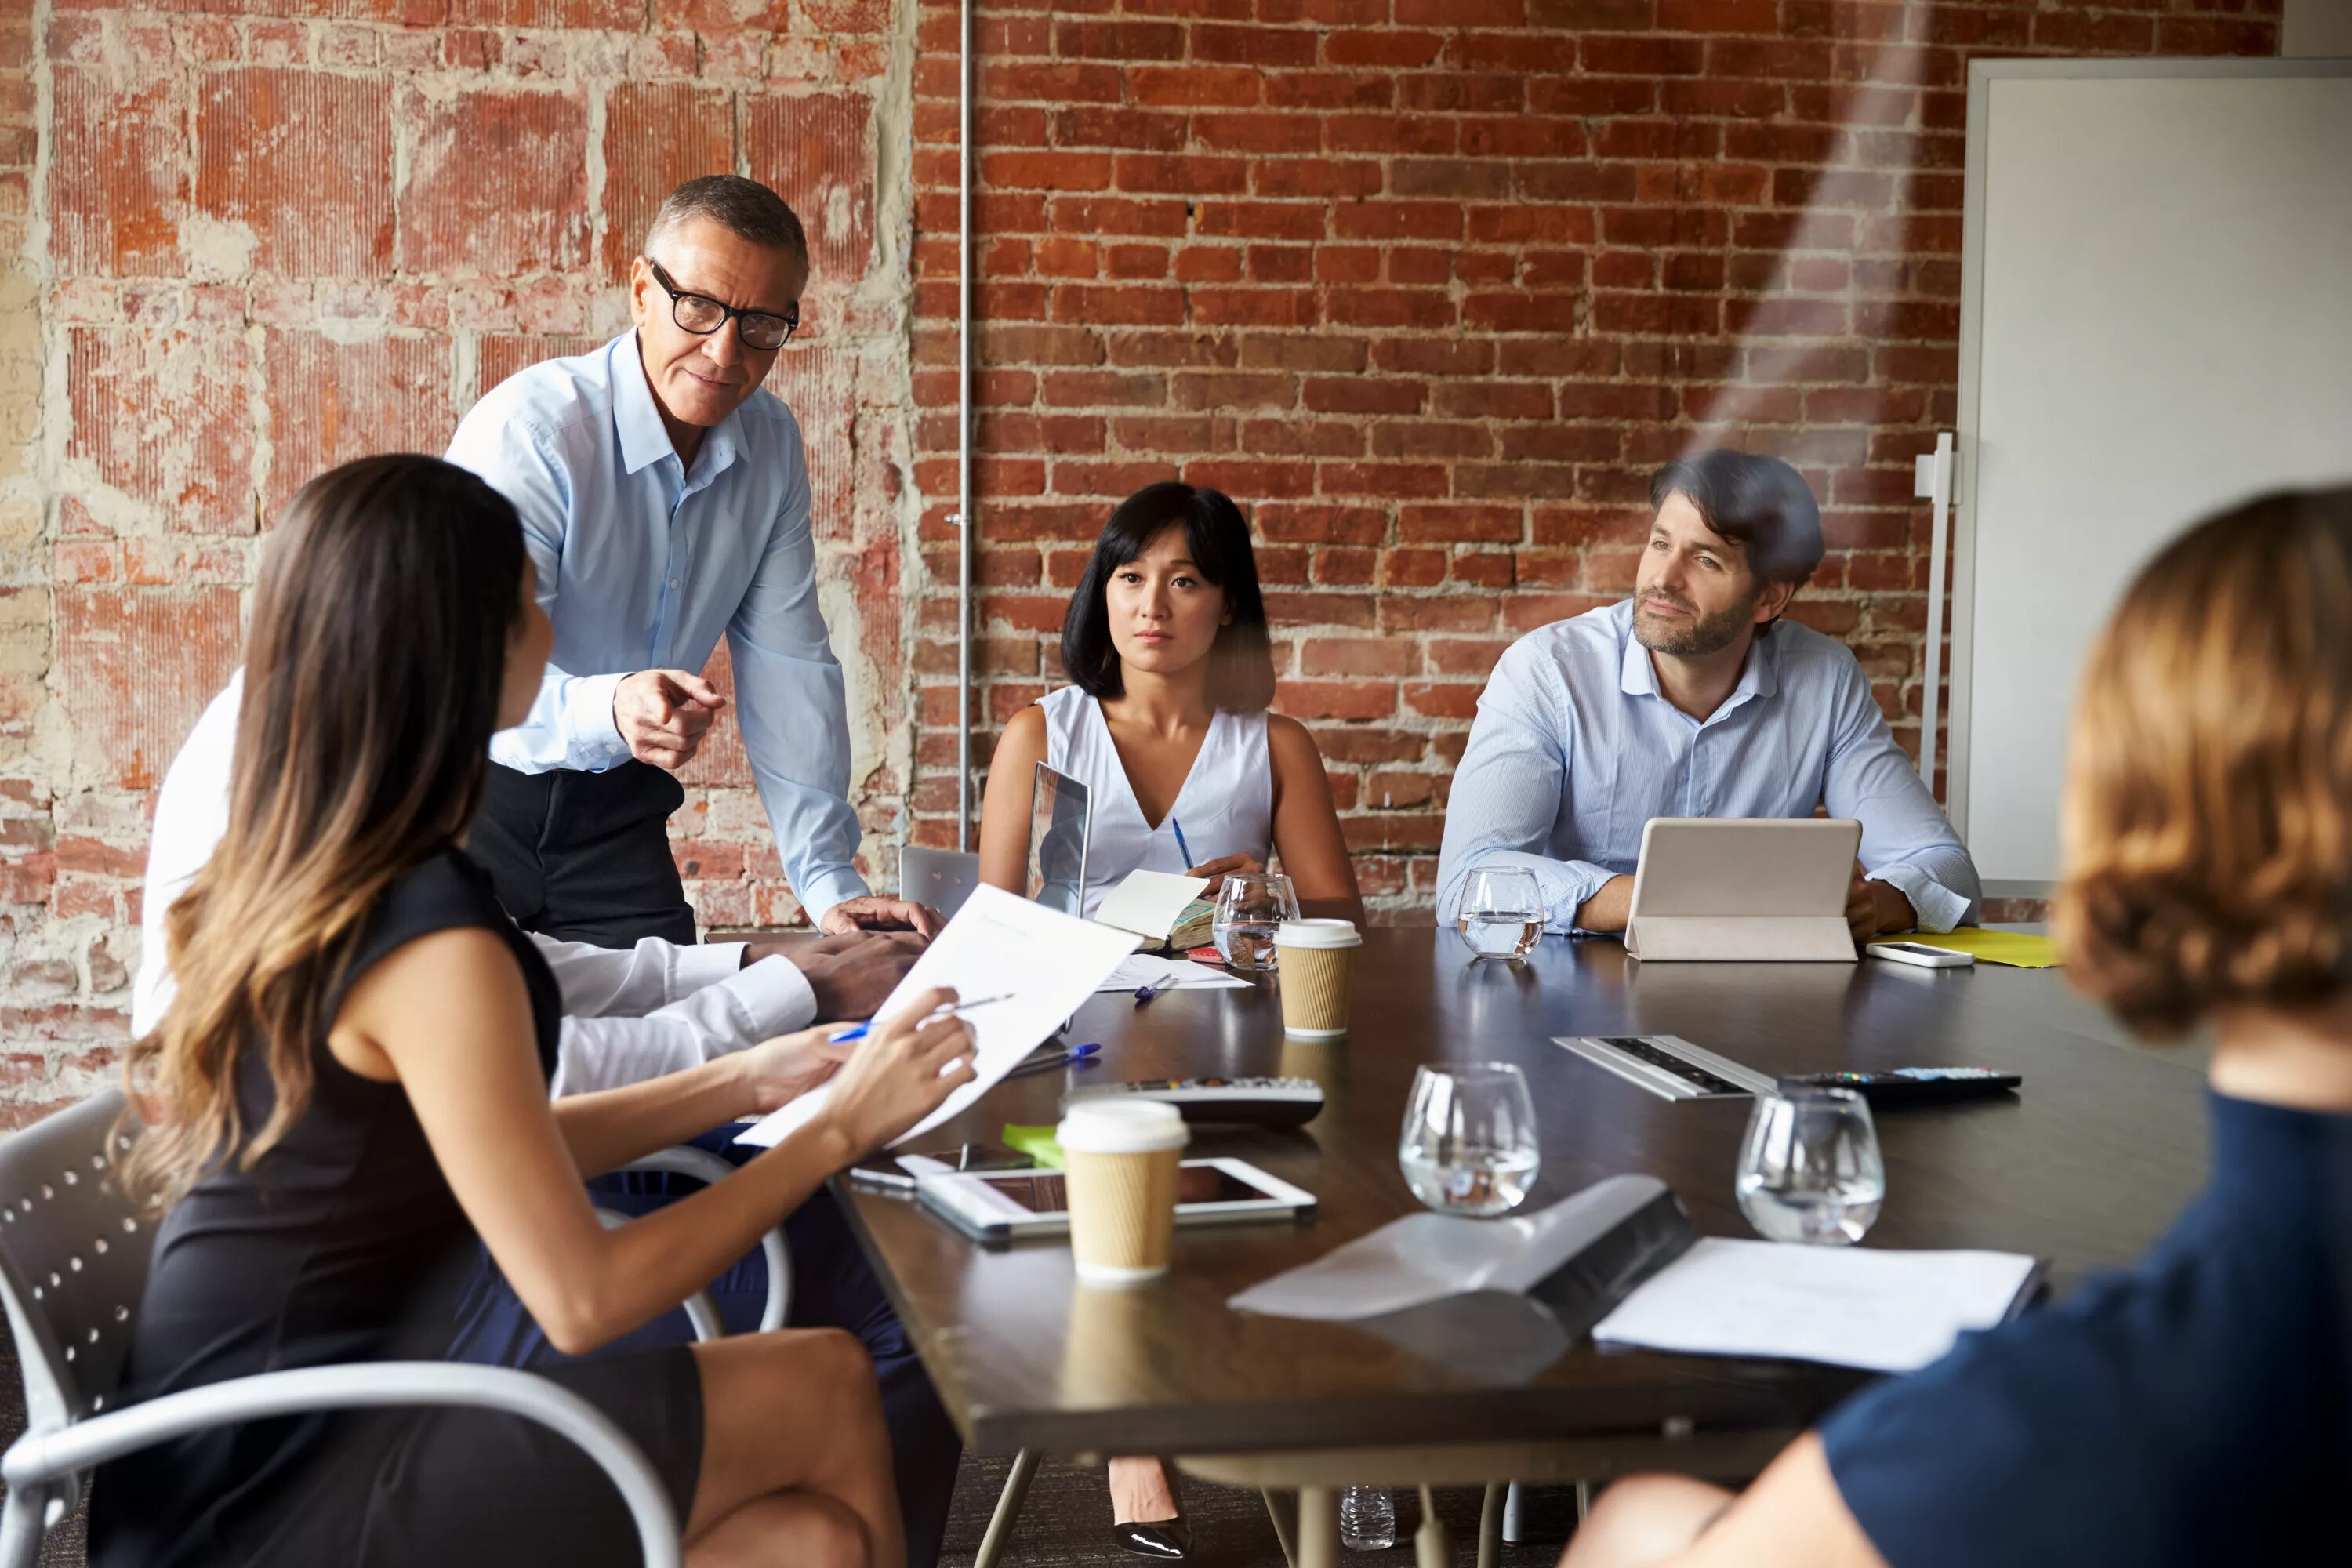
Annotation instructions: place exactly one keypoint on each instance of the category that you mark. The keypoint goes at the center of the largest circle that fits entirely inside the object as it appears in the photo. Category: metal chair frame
(73, 1263)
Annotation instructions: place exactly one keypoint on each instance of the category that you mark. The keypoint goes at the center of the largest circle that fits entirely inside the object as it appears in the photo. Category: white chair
(73, 1263)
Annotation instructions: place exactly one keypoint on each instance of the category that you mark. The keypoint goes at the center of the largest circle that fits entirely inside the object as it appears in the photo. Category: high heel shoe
(1166, 1538)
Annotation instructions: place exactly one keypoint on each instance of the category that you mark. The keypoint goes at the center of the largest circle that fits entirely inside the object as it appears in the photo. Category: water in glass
(1468, 1145)
(1502, 912)
(1809, 1169)
(1250, 906)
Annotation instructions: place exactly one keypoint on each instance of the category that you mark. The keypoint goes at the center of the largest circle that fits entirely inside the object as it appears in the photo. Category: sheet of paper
(2018, 949)
(1149, 903)
(1142, 969)
(1847, 1306)
(1043, 962)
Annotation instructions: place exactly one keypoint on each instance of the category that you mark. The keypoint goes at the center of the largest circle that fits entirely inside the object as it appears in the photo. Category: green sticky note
(1037, 1143)
(2018, 949)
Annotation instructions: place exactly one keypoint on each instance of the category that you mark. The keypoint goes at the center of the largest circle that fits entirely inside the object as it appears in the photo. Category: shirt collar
(1759, 677)
(644, 439)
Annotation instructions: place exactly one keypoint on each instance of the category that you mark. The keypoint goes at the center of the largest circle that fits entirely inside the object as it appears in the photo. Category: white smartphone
(1920, 954)
(1000, 1206)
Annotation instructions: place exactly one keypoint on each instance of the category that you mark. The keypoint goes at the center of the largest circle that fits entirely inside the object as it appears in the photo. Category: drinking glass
(1809, 1168)
(1502, 912)
(1469, 1141)
(1249, 907)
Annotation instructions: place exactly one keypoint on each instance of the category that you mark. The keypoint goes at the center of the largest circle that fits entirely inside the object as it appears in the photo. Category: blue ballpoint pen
(1182, 847)
(859, 1031)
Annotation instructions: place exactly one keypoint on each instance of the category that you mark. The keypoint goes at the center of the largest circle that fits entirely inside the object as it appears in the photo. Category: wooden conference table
(2085, 1168)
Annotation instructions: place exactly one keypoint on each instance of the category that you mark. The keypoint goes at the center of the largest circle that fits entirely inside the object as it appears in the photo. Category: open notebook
(1162, 908)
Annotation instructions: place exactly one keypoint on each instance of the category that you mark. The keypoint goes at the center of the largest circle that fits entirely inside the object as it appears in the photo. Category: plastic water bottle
(1367, 1519)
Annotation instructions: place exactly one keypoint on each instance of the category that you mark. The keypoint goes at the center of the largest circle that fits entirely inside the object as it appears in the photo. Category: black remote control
(1916, 1086)
(1245, 1102)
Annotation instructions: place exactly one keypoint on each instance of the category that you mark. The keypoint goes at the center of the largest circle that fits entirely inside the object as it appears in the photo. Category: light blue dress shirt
(1575, 750)
(641, 565)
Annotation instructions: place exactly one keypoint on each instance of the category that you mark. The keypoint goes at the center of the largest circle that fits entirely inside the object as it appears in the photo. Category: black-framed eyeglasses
(703, 315)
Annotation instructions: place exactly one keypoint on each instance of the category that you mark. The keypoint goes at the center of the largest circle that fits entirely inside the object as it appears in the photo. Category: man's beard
(1695, 636)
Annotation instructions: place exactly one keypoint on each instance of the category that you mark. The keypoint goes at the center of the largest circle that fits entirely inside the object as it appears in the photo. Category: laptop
(1061, 822)
(1744, 890)
(942, 878)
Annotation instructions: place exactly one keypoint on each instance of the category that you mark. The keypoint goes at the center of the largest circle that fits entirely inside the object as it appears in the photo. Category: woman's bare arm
(446, 1015)
(1004, 805)
(1306, 826)
(1792, 1517)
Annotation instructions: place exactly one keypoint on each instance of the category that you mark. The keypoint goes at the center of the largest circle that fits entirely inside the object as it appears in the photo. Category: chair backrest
(942, 878)
(74, 1252)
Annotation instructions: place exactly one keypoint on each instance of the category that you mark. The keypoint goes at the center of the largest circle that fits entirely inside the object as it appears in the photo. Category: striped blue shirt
(1575, 750)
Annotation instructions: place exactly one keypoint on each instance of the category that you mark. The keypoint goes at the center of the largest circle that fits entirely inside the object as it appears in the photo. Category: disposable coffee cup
(1318, 975)
(1119, 1164)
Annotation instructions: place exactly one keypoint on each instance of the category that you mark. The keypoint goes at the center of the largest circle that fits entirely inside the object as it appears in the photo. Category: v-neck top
(1225, 806)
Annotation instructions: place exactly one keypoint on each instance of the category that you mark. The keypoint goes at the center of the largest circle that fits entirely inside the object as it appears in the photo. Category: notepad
(1845, 1305)
(1151, 904)
(2016, 949)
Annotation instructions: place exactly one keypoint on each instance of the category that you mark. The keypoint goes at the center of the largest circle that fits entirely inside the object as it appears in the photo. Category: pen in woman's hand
(955, 1010)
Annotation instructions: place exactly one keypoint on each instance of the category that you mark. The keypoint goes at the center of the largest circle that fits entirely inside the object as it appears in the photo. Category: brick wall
(1430, 287)
(1428, 284)
(247, 242)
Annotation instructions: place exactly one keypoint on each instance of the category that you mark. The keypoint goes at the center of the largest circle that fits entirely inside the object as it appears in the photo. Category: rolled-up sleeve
(771, 997)
(792, 702)
(1906, 841)
(570, 721)
(1507, 793)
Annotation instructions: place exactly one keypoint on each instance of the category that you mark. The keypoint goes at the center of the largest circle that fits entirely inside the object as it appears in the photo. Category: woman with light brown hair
(2196, 1410)
(348, 1099)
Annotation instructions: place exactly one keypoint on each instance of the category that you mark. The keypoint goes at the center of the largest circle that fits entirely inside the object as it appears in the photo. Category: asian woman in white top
(1165, 723)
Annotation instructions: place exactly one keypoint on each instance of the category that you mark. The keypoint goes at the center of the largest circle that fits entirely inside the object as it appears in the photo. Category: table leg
(1490, 1521)
(1431, 1546)
(1008, 1508)
(1282, 1507)
(1318, 1528)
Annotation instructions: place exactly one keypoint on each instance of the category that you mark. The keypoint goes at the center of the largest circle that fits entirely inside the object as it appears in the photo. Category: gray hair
(744, 208)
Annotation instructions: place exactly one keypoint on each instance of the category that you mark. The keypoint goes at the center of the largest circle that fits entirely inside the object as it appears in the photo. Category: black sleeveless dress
(344, 1244)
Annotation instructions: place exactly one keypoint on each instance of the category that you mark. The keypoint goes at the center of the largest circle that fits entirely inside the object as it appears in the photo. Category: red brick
(146, 662)
(495, 183)
(815, 150)
(118, 191)
(657, 136)
(163, 417)
(328, 402)
(298, 164)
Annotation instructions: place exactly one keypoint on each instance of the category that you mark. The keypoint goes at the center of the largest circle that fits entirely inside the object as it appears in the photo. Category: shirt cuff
(694, 965)
(589, 705)
(1936, 907)
(827, 889)
(772, 997)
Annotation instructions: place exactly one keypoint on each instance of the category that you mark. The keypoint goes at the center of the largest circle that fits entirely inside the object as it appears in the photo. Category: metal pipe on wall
(963, 432)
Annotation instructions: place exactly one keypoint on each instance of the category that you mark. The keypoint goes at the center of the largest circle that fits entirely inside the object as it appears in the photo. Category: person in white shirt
(629, 1014)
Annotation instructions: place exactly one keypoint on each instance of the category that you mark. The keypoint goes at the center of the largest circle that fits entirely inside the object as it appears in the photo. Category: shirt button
(673, 583)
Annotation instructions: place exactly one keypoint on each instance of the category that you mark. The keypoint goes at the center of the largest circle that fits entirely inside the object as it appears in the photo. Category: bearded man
(1695, 698)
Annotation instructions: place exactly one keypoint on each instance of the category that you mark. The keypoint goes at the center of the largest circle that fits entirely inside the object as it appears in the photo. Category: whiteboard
(2156, 321)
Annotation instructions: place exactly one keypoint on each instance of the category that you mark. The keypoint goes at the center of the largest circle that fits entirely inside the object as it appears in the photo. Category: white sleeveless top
(1226, 806)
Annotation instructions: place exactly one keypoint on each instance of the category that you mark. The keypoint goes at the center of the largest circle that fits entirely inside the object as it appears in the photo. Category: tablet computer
(998, 1206)
(1743, 890)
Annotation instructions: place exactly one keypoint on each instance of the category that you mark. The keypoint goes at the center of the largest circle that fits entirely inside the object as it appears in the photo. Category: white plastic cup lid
(1317, 933)
(1121, 1126)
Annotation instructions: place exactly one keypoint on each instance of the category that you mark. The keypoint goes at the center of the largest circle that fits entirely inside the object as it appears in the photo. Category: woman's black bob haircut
(1241, 664)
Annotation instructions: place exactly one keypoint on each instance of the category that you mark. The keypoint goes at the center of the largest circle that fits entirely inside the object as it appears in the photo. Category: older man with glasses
(666, 500)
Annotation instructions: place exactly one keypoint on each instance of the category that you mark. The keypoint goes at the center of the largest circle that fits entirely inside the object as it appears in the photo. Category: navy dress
(344, 1244)
(2196, 1410)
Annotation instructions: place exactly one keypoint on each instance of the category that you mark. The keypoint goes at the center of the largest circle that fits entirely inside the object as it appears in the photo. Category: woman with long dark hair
(1165, 723)
(347, 1097)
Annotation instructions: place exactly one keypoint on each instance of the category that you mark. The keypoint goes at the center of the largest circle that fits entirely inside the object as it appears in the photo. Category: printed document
(1846, 1306)
(1149, 903)
(1043, 962)
(1174, 974)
